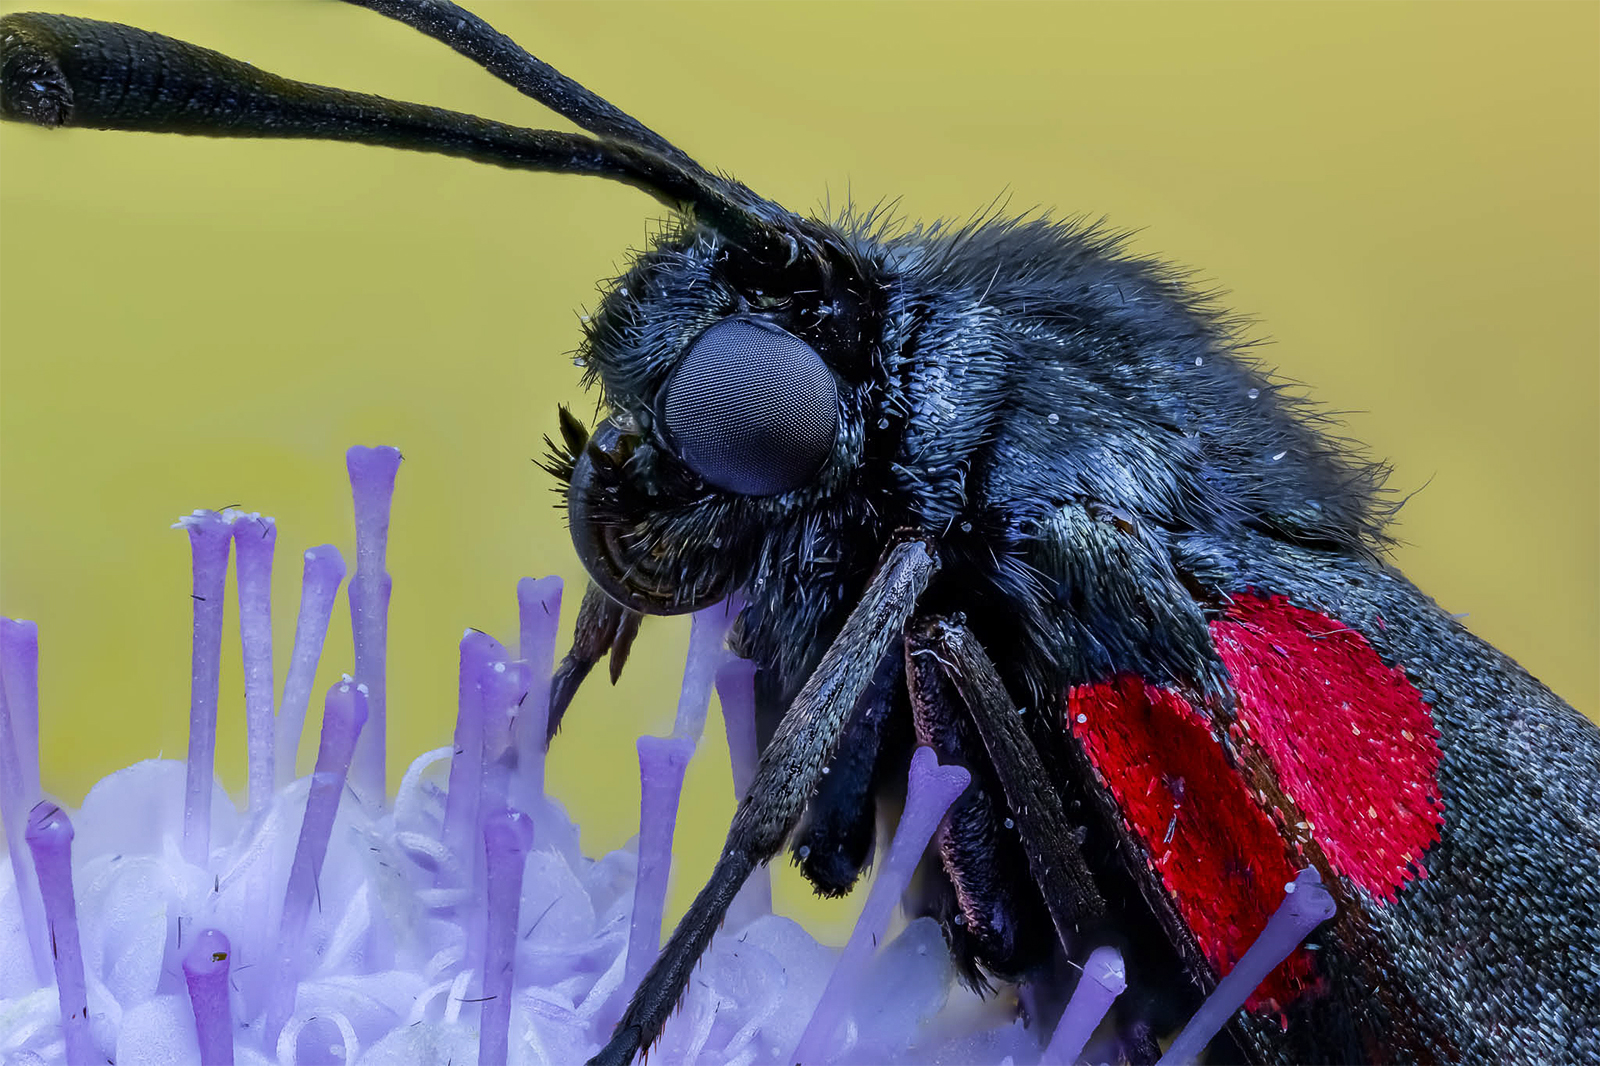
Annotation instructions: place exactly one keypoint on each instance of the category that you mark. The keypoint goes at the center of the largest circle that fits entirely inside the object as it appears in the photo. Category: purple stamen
(539, 613)
(931, 790)
(507, 837)
(342, 717)
(463, 800)
(708, 631)
(205, 968)
(1103, 980)
(319, 586)
(209, 537)
(50, 839)
(503, 686)
(372, 473)
(254, 539)
(14, 805)
(736, 689)
(1306, 905)
(19, 675)
(662, 761)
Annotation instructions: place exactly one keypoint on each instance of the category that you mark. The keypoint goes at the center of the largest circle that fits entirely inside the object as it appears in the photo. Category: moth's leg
(1049, 840)
(787, 776)
(990, 912)
(1051, 843)
(834, 843)
(603, 625)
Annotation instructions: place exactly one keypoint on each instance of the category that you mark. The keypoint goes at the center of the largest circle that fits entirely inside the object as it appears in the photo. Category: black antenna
(498, 54)
(61, 71)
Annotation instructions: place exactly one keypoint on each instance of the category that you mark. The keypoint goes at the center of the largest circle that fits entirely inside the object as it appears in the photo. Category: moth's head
(735, 391)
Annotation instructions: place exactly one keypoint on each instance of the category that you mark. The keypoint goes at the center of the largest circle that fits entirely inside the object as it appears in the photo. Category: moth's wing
(1215, 833)
(1451, 802)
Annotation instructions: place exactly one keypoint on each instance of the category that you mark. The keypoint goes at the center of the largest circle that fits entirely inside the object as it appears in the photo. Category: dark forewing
(1491, 942)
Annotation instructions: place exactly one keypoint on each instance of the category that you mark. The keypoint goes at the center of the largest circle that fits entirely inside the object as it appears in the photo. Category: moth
(958, 474)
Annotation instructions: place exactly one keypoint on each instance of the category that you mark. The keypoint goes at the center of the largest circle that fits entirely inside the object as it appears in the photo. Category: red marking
(1349, 738)
(1224, 862)
(1350, 742)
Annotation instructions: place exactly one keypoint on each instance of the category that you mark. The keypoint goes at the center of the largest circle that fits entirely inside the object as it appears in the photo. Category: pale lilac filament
(507, 837)
(504, 685)
(372, 474)
(932, 788)
(205, 969)
(254, 538)
(13, 815)
(50, 839)
(1306, 905)
(462, 801)
(319, 587)
(708, 630)
(538, 614)
(342, 717)
(736, 691)
(209, 537)
(662, 761)
(19, 675)
(1103, 980)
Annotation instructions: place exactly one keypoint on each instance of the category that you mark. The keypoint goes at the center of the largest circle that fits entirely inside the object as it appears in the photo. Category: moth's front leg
(834, 843)
(787, 777)
(1049, 839)
(990, 910)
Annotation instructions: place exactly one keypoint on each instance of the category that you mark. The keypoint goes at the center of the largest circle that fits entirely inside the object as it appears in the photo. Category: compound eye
(752, 408)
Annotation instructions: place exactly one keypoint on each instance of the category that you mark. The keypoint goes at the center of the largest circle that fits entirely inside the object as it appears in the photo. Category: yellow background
(1403, 195)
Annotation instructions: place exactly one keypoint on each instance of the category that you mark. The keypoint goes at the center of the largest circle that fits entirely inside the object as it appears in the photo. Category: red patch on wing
(1218, 853)
(1349, 738)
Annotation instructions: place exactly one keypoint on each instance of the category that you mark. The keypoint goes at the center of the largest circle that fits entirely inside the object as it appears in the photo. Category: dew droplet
(1254, 394)
(1054, 418)
(1199, 359)
(1280, 455)
(1082, 718)
(1010, 824)
(966, 527)
(804, 851)
(883, 423)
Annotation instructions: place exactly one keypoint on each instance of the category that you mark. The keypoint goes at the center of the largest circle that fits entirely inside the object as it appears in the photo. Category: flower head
(457, 920)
